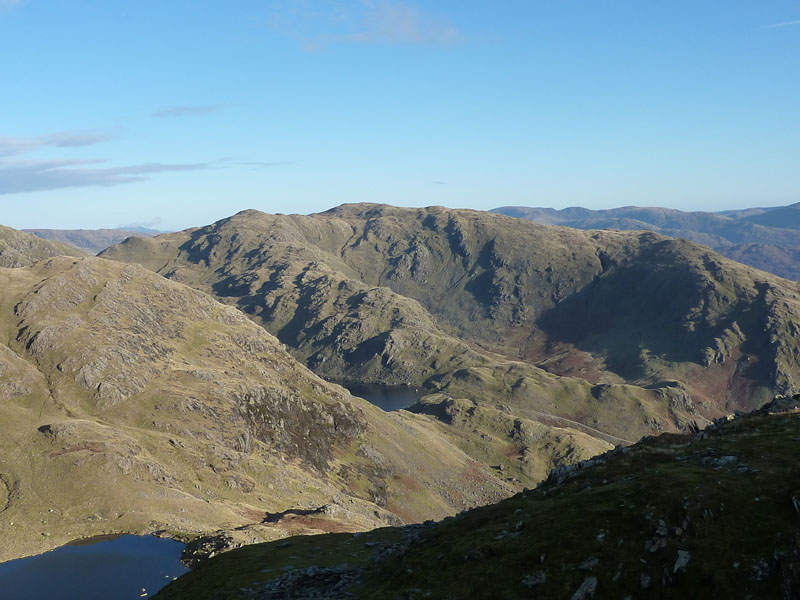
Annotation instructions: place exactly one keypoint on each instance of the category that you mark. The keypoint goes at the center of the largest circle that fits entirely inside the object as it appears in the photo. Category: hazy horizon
(162, 229)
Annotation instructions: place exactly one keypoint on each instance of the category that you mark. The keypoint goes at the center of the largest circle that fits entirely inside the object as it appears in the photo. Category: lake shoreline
(389, 398)
(117, 566)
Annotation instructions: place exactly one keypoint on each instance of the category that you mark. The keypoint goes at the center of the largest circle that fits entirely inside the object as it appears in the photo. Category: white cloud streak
(319, 23)
(18, 177)
(13, 146)
(783, 24)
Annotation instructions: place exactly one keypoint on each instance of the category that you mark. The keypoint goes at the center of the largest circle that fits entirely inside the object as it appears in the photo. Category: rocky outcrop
(596, 337)
(130, 403)
(673, 516)
(20, 249)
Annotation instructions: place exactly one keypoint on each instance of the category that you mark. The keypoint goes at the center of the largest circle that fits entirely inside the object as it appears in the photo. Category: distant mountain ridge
(766, 238)
(522, 334)
(537, 347)
(785, 217)
(93, 241)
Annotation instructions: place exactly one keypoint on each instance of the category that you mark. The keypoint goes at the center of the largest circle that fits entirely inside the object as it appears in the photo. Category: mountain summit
(516, 329)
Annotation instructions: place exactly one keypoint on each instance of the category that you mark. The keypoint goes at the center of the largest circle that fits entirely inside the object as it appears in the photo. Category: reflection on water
(387, 397)
(119, 568)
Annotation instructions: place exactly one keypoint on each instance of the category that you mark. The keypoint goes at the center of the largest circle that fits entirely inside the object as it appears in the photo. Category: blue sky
(175, 114)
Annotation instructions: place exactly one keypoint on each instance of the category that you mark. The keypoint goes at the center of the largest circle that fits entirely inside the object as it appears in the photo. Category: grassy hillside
(765, 238)
(20, 249)
(130, 403)
(92, 241)
(606, 333)
(677, 516)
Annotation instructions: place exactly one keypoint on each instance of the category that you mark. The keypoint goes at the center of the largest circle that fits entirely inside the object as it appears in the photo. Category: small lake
(97, 569)
(387, 397)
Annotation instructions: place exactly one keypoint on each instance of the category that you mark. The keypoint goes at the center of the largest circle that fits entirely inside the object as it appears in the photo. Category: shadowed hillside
(784, 217)
(765, 238)
(610, 334)
(678, 516)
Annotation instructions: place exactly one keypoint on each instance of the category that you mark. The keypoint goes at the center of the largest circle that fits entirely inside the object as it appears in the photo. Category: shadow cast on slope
(654, 310)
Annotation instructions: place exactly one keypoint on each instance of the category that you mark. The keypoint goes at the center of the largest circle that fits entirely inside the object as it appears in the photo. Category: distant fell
(786, 217)
(536, 344)
(141, 229)
(766, 238)
(90, 240)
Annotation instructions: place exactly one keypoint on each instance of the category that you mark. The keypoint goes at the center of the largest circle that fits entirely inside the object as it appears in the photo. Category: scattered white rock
(683, 560)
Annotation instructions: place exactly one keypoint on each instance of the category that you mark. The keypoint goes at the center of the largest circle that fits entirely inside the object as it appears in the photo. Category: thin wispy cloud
(19, 175)
(32, 176)
(318, 24)
(14, 146)
(186, 111)
(783, 24)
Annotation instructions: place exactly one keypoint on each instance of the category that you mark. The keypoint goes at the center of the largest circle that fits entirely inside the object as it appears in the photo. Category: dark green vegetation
(766, 238)
(539, 345)
(131, 403)
(712, 515)
(89, 240)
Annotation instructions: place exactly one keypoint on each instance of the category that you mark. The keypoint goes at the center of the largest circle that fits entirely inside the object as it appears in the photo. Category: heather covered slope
(609, 334)
(20, 249)
(765, 238)
(131, 403)
(677, 516)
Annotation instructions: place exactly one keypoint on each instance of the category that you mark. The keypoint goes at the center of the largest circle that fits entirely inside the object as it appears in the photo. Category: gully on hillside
(621, 333)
